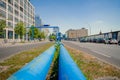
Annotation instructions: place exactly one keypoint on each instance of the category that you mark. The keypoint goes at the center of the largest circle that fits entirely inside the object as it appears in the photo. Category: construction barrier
(68, 70)
(37, 69)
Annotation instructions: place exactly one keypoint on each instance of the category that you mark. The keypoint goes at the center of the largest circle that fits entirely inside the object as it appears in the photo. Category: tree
(30, 32)
(52, 37)
(36, 32)
(20, 29)
(2, 26)
(41, 35)
(33, 32)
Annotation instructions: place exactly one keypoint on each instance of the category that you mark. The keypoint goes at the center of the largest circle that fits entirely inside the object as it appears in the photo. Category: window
(28, 9)
(21, 15)
(10, 2)
(25, 1)
(25, 12)
(17, 1)
(24, 17)
(16, 5)
(16, 19)
(10, 9)
(10, 17)
(21, 2)
(21, 9)
(2, 14)
(25, 6)
(2, 4)
(16, 13)
(10, 24)
(28, 4)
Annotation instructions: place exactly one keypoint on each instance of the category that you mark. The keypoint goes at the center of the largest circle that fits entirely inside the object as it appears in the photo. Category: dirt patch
(3, 68)
(108, 78)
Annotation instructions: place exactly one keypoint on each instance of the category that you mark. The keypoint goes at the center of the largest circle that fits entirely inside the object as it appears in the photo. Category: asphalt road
(104, 52)
(8, 51)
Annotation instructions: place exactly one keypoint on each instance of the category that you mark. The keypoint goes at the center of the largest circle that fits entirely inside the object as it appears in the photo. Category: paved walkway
(10, 44)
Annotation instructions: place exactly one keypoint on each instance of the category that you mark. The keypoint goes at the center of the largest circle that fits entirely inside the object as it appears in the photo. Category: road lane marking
(101, 53)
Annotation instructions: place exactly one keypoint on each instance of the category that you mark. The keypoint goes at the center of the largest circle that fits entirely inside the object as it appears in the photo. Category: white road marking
(101, 53)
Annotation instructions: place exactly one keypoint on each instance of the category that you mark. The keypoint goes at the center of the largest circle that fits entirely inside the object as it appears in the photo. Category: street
(106, 53)
(11, 50)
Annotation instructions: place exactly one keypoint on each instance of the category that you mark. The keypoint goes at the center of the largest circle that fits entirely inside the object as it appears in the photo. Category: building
(75, 34)
(46, 31)
(38, 21)
(102, 36)
(13, 11)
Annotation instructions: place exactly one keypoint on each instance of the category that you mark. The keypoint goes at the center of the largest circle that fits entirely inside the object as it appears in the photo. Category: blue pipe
(37, 69)
(68, 70)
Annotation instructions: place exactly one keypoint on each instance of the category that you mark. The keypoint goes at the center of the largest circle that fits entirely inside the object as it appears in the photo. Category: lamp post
(89, 28)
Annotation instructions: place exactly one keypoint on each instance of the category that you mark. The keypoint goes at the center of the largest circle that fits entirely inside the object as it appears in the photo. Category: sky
(95, 15)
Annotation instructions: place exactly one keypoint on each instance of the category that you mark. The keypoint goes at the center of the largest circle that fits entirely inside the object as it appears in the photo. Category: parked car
(51, 40)
(107, 41)
(83, 40)
(94, 40)
(113, 41)
(119, 42)
(100, 40)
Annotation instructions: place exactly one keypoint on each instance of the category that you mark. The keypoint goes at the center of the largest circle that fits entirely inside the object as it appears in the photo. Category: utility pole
(89, 28)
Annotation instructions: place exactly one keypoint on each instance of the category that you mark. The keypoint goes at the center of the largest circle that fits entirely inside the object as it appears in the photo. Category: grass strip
(14, 63)
(91, 66)
(53, 72)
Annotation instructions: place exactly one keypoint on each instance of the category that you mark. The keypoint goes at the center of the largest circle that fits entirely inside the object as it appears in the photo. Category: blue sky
(96, 15)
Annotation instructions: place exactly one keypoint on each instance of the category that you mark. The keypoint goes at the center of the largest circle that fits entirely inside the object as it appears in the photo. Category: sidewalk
(10, 44)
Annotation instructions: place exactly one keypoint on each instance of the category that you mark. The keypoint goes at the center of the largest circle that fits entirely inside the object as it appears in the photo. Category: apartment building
(13, 11)
(74, 34)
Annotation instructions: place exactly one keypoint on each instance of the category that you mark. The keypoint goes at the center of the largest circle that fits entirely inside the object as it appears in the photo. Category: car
(100, 40)
(119, 42)
(113, 41)
(83, 40)
(107, 41)
(51, 40)
(94, 40)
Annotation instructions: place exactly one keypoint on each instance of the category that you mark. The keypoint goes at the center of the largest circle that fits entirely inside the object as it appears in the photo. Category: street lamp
(89, 28)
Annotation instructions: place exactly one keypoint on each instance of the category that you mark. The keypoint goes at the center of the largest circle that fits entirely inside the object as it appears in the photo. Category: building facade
(102, 36)
(75, 34)
(46, 31)
(14, 11)
(38, 21)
